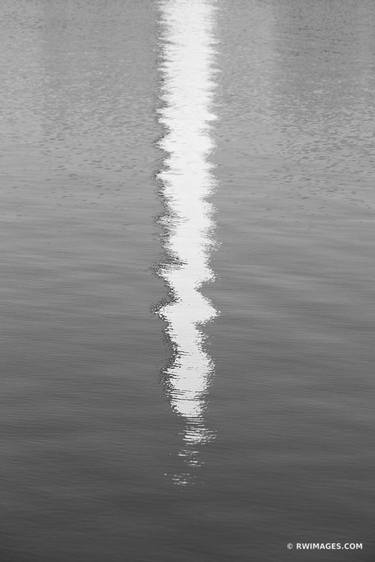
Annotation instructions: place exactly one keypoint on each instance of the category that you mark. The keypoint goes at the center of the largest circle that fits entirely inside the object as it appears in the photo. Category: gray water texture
(89, 441)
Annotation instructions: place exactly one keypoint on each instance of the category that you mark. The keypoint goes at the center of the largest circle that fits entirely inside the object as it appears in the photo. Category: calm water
(187, 279)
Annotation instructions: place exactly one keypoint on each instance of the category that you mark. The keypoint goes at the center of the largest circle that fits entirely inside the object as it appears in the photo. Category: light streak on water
(187, 72)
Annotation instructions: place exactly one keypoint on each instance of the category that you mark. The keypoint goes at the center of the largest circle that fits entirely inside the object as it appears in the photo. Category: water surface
(268, 213)
(187, 182)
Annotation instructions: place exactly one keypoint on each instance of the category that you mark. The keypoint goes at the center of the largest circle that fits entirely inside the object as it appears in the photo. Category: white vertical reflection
(187, 181)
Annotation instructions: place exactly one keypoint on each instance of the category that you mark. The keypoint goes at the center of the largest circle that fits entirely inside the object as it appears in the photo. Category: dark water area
(293, 395)
(90, 441)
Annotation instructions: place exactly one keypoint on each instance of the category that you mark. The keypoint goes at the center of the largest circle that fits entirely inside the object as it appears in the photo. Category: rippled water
(228, 147)
(187, 182)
